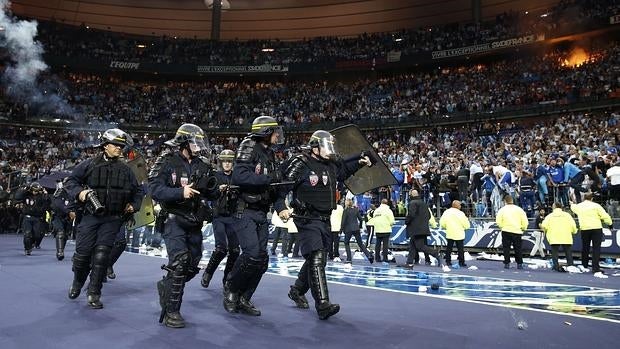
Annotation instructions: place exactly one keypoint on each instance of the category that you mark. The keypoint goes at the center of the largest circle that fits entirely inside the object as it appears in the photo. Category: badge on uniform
(66, 202)
(258, 169)
(314, 179)
(184, 181)
(174, 177)
(325, 178)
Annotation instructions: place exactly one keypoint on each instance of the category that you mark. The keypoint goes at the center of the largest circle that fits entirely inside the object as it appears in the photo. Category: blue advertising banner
(485, 234)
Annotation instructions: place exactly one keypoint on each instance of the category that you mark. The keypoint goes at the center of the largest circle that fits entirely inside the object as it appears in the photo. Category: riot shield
(145, 216)
(138, 167)
(351, 142)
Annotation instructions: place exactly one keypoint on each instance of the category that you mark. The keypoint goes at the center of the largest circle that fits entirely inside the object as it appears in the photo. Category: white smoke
(20, 76)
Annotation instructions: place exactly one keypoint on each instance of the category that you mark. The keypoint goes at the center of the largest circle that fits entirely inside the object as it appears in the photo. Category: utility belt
(313, 214)
(185, 221)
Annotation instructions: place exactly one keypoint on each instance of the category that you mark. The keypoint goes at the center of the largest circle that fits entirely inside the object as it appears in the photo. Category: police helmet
(35, 187)
(191, 134)
(265, 126)
(226, 155)
(115, 136)
(325, 142)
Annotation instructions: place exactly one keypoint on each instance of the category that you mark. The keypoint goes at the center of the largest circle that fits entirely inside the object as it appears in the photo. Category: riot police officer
(315, 174)
(63, 216)
(36, 203)
(255, 169)
(225, 206)
(182, 182)
(108, 189)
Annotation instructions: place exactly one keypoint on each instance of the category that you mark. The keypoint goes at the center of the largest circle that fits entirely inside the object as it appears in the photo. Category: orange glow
(576, 58)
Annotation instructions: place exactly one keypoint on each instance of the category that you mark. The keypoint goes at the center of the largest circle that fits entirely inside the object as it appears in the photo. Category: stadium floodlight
(225, 4)
(268, 50)
(398, 39)
(141, 46)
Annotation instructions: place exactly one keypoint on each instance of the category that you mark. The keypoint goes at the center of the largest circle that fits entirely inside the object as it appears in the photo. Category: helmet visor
(327, 147)
(199, 145)
(278, 133)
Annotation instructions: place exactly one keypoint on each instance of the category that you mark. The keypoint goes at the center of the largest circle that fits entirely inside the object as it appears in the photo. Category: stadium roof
(265, 19)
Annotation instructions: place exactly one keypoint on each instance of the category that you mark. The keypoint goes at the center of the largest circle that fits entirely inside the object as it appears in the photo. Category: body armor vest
(60, 202)
(264, 161)
(35, 205)
(180, 177)
(111, 181)
(226, 204)
(317, 191)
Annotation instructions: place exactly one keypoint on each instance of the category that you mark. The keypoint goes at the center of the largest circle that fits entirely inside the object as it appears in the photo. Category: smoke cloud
(21, 75)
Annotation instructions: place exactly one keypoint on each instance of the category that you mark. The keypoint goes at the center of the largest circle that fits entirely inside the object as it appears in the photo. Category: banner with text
(489, 46)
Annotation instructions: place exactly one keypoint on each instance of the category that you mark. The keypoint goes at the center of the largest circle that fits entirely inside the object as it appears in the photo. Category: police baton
(278, 184)
(309, 218)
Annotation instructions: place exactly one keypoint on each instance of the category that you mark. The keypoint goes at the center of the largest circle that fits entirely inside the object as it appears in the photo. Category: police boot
(318, 286)
(216, 258)
(110, 273)
(61, 241)
(231, 298)
(28, 243)
(300, 300)
(257, 267)
(299, 289)
(171, 291)
(98, 273)
(81, 268)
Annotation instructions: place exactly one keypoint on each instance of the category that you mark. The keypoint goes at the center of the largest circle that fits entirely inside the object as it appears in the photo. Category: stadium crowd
(566, 17)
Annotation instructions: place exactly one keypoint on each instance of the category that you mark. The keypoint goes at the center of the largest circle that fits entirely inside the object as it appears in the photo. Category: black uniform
(314, 196)
(255, 168)
(115, 187)
(33, 219)
(61, 205)
(183, 219)
(224, 231)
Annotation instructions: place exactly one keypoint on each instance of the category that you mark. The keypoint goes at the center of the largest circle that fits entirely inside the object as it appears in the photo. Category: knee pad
(219, 253)
(181, 262)
(100, 255)
(234, 252)
(80, 261)
(318, 258)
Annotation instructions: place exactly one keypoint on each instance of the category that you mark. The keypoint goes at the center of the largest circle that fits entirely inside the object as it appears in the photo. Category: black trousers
(334, 250)
(567, 251)
(461, 251)
(358, 238)
(277, 234)
(382, 243)
(594, 236)
(514, 240)
(417, 243)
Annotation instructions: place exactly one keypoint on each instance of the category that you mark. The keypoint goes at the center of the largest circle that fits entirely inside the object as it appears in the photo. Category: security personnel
(560, 227)
(512, 221)
(255, 169)
(182, 182)
(107, 189)
(63, 207)
(36, 204)
(591, 217)
(225, 207)
(314, 197)
(454, 221)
